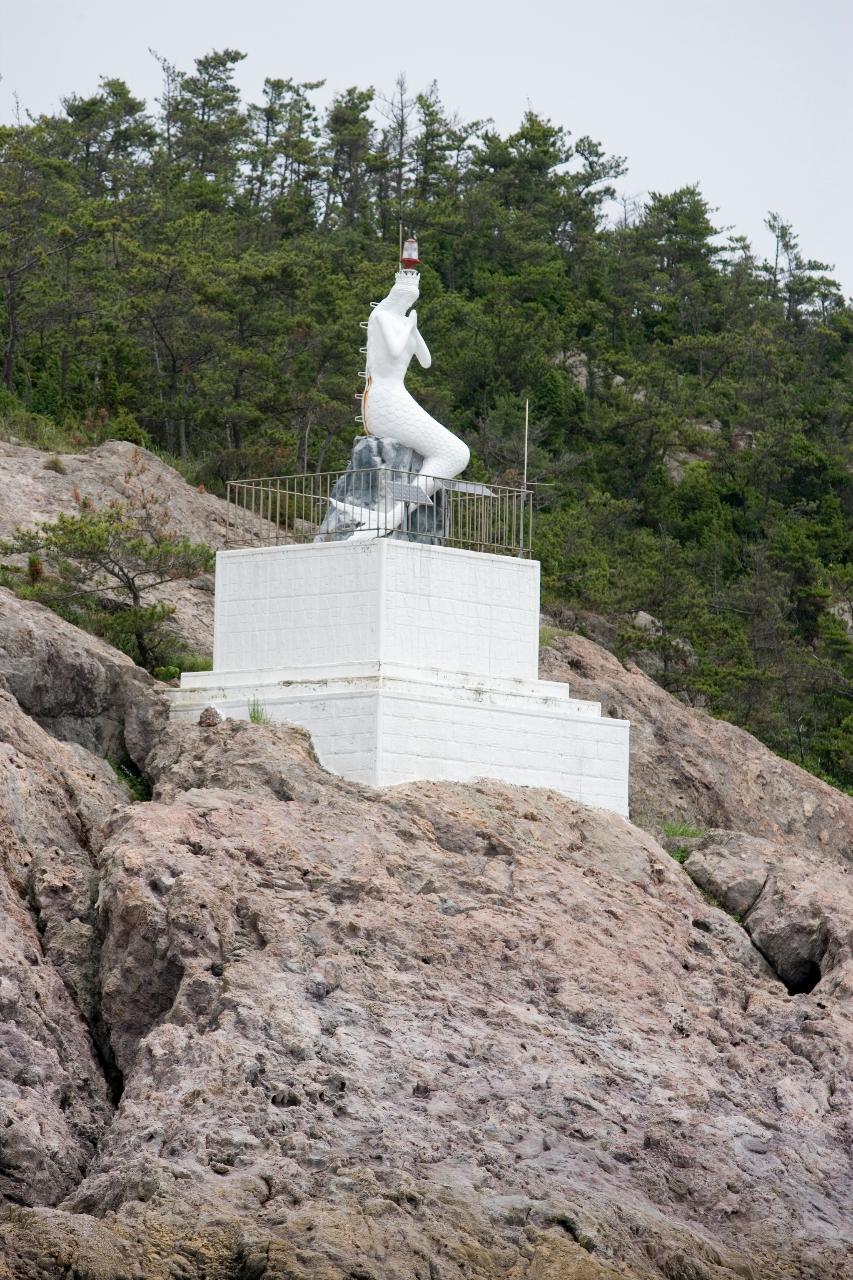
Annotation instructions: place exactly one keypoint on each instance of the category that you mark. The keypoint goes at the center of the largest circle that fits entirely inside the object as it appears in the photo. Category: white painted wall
(405, 662)
(302, 609)
(299, 608)
(460, 610)
(533, 743)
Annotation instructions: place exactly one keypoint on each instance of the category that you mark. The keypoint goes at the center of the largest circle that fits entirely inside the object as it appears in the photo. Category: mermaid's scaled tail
(392, 414)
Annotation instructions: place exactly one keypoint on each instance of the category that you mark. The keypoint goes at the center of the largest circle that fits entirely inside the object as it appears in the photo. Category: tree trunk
(9, 353)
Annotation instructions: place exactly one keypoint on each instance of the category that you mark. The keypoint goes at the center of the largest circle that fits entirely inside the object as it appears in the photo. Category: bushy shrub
(34, 429)
(166, 674)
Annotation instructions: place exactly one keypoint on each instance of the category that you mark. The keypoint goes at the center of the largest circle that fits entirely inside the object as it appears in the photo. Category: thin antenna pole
(526, 435)
(401, 239)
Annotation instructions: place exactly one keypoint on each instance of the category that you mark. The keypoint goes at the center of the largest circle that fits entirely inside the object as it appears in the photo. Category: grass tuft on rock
(258, 713)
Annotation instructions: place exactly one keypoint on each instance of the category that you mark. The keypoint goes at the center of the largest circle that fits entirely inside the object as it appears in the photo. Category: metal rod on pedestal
(524, 484)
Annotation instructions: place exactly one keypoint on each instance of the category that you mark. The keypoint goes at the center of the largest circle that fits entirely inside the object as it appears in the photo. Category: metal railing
(377, 502)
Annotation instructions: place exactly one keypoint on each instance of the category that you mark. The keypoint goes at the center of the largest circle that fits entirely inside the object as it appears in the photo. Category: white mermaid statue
(391, 415)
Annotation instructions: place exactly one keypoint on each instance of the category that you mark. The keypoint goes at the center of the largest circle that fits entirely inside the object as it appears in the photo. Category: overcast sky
(751, 98)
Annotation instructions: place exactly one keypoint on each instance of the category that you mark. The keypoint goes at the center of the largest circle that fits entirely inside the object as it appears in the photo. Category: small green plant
(137, 785)
(258, 713)
(35, 569)
(56, 464)
(683, 829)
(123, 426)
(166, 673)
(547, 636)
(181, 661)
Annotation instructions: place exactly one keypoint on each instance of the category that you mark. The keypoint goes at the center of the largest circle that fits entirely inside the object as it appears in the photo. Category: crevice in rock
(807, 977)
(170, 982)
(92, 1018)
(799, 968)
(573, 1230)
(755, 901)
(792, 990)
(105, 1057)
(801, 972)
(99, 1036)
(137, 782)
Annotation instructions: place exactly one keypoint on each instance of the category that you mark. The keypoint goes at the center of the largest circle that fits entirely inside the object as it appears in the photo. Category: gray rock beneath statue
(374, 466)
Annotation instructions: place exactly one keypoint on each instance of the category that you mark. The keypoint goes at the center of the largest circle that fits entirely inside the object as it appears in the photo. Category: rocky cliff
(269, 1024)
(36, 487)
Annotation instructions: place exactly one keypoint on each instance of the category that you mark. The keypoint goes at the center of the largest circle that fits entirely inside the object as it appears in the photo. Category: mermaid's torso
(386, 405)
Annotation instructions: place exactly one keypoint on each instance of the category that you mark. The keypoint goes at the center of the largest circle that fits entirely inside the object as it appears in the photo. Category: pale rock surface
(54, 1100)
(436, 1032)
(31, 492)
(843, 611)
(77, 686)
(700, 443)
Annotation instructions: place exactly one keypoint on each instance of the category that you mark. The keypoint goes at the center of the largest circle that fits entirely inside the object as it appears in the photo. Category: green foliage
(123, 426)
(138, 786)
(56, 464)
(547, 636)
(97, 567)
(683, 829)
(258, 713)
(195, 662)
(35, 568)
(20, 424)
(191, 279)
(184, 662)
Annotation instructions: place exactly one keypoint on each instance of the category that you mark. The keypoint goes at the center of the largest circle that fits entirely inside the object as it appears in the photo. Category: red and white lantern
(409, 257)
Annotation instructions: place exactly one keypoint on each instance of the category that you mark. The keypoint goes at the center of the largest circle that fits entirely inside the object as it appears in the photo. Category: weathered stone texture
(276, 1026)
(76, 686)
(685, 765)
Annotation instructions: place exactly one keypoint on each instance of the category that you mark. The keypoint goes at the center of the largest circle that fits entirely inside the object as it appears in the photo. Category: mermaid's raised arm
(422, 351)
(395, 331)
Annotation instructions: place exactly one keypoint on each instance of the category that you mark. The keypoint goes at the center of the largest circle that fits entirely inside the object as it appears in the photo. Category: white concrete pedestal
(404, 661)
